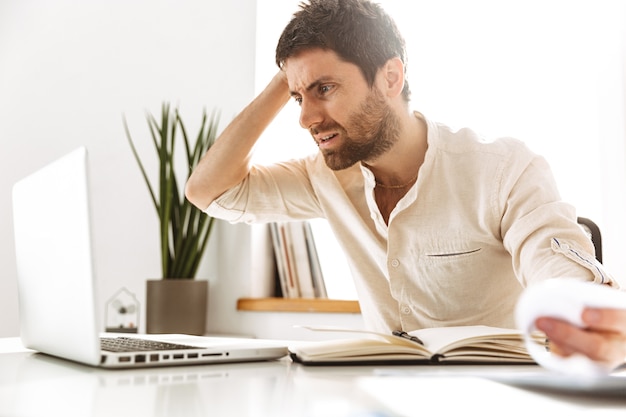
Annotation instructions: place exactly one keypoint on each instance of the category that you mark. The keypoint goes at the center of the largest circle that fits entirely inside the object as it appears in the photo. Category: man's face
(349, 121)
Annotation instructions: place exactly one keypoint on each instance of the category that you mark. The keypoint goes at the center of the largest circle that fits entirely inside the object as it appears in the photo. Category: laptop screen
(54, 260)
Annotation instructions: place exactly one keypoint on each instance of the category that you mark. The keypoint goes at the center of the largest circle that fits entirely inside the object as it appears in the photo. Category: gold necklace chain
(395, 187)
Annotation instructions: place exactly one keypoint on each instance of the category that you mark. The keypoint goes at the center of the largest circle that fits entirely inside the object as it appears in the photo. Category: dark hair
(358, 31)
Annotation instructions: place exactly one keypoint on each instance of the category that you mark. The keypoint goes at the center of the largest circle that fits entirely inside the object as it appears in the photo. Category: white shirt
(483, 220)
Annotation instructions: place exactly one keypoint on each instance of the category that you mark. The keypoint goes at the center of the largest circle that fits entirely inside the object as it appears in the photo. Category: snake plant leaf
(184, 230)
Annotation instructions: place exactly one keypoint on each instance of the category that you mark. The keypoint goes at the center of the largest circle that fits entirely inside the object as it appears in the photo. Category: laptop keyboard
(128, 344)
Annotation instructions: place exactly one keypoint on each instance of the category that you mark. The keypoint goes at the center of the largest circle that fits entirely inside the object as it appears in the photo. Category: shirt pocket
(451, 263)
(454, 254)
(451, 278)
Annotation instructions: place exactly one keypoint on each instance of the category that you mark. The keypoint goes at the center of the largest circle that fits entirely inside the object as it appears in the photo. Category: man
(441, 227)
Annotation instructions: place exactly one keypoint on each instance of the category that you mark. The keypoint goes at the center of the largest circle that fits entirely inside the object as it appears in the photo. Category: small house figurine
(122, 312)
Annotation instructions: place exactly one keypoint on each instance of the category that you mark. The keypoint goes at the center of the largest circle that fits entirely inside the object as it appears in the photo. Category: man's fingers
(599, 345)
(606, 319)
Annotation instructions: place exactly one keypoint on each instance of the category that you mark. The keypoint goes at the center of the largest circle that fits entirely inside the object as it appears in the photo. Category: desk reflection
(34, 384)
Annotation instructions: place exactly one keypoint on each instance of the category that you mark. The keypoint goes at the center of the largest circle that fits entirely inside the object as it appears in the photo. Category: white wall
(69, 69)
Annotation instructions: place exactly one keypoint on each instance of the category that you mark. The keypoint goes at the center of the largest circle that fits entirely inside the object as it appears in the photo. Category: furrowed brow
(311, 86)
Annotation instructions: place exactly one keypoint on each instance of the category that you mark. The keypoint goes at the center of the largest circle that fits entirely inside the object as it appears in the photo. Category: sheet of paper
(564, 299)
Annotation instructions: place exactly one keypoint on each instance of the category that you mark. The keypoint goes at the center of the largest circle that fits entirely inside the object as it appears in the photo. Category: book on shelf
(300, 258)
(460, 344)
(284, 261)
(297, 261)
(317, 277)
(334, 264)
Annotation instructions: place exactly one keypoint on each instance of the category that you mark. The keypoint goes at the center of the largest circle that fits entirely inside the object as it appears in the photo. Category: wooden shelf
(298, 305)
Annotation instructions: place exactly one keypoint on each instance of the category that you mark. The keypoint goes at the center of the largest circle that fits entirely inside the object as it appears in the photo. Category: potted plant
(177, 303)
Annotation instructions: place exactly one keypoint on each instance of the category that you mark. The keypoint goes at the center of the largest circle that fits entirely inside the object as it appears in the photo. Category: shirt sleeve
(276, 192)
(541, 232)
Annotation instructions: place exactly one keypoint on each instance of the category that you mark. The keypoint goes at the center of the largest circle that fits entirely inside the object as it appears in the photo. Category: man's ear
(393, 77)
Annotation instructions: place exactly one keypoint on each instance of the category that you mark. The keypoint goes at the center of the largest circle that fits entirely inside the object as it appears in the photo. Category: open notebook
(57, 287)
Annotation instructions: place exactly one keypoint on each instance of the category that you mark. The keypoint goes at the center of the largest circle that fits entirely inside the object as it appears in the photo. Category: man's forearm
(228, 161)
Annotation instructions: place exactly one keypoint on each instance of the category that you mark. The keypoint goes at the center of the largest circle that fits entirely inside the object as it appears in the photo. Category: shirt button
(406, 310)
(395, 263)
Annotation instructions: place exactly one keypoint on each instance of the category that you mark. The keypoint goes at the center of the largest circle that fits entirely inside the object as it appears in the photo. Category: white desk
(37, 385)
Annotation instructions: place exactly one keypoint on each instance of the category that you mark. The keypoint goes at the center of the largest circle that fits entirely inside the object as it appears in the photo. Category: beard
(369, 133)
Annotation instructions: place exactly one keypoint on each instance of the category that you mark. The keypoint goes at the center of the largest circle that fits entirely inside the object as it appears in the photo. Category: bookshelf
(286, 254)
(298, 305)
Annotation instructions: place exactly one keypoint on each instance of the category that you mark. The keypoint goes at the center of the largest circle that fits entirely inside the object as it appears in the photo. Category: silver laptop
(57, 287)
